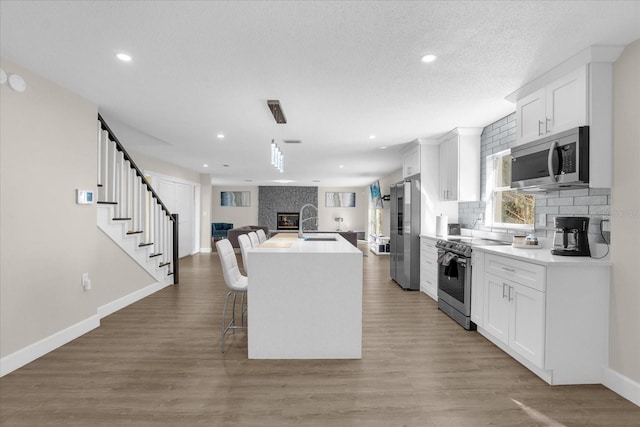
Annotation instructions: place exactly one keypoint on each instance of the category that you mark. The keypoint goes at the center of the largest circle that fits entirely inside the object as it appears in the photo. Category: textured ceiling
(341, 70)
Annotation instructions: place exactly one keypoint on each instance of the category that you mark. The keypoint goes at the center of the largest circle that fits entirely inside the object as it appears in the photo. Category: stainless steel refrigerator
(405, 233)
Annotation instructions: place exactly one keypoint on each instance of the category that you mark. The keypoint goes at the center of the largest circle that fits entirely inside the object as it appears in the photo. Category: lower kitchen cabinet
(429, 267)
(552, 318)
(515, 316)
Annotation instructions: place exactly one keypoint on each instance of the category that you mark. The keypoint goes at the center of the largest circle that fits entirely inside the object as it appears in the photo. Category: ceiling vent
(276, 110)
(291, 141)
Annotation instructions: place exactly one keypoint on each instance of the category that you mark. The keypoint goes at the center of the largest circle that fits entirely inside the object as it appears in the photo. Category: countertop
(290, 243)
(540, 255)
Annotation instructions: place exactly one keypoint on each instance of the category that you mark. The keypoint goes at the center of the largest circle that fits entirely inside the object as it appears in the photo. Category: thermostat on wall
(84, 197)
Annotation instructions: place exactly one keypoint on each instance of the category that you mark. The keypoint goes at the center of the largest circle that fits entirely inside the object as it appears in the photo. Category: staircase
(131, 213)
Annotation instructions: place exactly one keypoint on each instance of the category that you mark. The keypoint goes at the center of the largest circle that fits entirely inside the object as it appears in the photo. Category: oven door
(454, 284)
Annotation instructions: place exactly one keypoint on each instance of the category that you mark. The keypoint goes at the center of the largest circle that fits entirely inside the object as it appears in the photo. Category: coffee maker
(570, 237)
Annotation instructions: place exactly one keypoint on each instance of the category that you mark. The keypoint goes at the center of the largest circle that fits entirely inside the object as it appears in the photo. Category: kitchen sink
(320, 239)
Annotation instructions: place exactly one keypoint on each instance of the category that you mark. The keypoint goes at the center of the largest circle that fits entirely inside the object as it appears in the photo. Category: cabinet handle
(540, 123)
(510, 296)
(546, 125)
(510, 270)
(504, 285)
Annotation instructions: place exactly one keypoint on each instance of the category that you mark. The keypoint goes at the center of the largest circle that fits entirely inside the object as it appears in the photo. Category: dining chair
(237, 284)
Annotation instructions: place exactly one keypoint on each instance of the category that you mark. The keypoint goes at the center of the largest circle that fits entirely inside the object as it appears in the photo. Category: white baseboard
(18, 359)
(120, 303)
(621, 385)
(205, 250)
(38, 349)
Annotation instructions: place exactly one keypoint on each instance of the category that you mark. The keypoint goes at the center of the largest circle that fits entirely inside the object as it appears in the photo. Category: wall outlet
(86, 282)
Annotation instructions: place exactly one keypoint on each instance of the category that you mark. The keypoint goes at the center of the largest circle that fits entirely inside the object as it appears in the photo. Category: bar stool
(255, 242)
(237, 284)
(245, 244)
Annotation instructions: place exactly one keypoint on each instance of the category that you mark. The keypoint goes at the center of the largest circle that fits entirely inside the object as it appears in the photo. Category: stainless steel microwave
(554, 162)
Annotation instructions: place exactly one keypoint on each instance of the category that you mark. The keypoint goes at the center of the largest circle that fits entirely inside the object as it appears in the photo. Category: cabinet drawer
(525, 273)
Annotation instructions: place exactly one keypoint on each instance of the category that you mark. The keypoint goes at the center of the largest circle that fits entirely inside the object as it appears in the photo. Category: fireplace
(288, 220)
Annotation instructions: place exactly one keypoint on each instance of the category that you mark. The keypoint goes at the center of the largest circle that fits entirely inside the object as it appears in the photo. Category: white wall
(205, 212)
(47, 240)
(354, 219)
(624, 321)
(47, 151)
(238, 216)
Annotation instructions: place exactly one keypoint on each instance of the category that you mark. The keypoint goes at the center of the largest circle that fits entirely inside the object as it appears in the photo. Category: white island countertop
(305, 298)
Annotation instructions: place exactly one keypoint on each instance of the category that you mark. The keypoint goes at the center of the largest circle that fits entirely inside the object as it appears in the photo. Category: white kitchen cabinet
(551, 318)
(577, 92)
(459, 154)
(515, 316)
(477, 287)
(429, 267)
(411, 160)
(559, 106)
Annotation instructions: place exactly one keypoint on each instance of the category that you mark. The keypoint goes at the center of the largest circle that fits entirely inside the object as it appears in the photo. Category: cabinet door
(449, 169)
(496, 307)
(530, 117)
(526, 322)
(444, 170)
(566, 102)
(477, 288)
(411, 162)
(453, 168)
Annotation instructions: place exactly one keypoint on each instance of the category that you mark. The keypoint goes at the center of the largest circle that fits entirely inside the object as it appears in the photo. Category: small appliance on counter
(570, 237)
(442, 225)
(454, 229)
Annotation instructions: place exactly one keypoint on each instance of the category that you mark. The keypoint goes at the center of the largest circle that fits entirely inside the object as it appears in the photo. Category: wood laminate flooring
(158, 362)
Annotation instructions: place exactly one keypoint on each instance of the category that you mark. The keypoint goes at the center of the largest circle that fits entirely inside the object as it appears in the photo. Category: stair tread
(145, 244)
(135, 232)
(164, 264)
(122, 219)
(155, 255)
(104, 202)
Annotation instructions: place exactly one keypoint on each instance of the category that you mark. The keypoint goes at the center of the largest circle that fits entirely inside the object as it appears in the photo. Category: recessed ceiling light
(383, 147)
(205, 166)
(316, 180)
(428, 58)
(341, 166)
(248, 180)
(220, 136)
(283, 181)
(372, 137)
(123, 57)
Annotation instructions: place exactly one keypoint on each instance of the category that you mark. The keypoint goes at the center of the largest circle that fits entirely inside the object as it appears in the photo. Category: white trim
(205, 250)
(618, 383)
(120, 303)
(28, 354)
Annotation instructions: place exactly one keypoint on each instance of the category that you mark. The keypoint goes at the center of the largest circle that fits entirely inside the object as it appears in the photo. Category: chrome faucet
(301, 221)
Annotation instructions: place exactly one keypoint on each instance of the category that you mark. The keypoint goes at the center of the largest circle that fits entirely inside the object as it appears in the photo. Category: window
(505, 207)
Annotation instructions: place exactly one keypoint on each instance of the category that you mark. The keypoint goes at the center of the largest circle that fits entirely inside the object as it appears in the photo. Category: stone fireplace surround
(274, 199)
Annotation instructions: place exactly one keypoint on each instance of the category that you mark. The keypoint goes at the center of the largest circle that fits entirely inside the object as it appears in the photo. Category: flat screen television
(376, 196)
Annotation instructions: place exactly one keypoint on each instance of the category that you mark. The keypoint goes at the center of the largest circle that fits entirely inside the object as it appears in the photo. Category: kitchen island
(305, 298)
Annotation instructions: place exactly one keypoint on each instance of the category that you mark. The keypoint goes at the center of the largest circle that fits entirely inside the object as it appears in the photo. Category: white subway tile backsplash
(592, 202)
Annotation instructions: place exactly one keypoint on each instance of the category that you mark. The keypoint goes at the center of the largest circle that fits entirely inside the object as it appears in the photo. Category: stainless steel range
(454, 280)
(454, 276)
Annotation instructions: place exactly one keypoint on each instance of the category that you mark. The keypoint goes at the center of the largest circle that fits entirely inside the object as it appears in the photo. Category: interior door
(180, 198)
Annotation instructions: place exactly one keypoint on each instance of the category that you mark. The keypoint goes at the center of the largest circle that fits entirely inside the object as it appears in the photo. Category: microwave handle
(552, 150)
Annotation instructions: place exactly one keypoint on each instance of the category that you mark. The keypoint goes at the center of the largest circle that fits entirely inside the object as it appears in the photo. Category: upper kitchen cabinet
(411, 159)
(559, 106)
(578, 92)
(460, 165)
